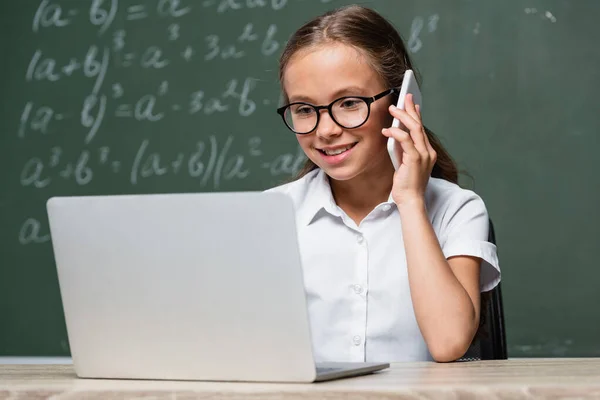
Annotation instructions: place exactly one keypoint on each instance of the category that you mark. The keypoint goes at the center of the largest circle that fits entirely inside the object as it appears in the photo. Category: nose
(327, 127)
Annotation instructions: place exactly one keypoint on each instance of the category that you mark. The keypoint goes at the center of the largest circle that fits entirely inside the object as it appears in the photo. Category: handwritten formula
(155, 94)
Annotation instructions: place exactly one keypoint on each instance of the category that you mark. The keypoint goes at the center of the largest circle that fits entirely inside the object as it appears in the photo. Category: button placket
(358, 291)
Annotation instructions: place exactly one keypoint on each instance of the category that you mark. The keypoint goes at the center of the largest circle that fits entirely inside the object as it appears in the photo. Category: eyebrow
(347, 91)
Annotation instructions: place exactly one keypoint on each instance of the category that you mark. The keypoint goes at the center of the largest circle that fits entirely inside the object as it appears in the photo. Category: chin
(340, 174)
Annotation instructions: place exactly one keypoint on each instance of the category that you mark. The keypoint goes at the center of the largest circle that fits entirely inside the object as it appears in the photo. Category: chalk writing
(49, 15)
(36, 119)
(32, 174)
(173, 31)
(30, 232)
(172, 8)
(100, 16)
(209, 163)
(415, 42)
(91, 104)
(236, 5)
(544, 15)
(103, 110)
(215, 49)
(42, 68)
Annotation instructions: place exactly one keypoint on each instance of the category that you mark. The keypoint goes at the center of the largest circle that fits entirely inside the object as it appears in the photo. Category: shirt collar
(319, 198)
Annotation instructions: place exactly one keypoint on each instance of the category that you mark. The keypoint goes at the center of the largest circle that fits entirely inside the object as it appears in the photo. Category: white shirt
(356, 277)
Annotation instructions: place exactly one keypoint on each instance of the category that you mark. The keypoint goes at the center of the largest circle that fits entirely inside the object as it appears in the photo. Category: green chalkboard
(119, 96)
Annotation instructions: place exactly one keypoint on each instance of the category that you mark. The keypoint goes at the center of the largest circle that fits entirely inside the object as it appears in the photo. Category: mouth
(335, 151)
(336, 154)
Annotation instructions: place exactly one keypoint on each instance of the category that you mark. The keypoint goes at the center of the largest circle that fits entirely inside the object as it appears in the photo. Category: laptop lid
(204, 286)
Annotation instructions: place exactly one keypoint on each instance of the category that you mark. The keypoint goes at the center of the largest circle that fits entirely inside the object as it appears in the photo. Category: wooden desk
(512, 379)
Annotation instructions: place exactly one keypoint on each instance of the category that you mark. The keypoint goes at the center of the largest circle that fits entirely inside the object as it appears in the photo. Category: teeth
(337, 151)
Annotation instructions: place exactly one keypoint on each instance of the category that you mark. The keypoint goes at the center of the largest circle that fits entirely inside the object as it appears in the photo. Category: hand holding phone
(409, 85)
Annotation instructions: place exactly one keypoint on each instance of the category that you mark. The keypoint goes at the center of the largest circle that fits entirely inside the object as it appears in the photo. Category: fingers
(430, 149)
(413, 124)
(411, 107)
(411, 154)
(411, 119)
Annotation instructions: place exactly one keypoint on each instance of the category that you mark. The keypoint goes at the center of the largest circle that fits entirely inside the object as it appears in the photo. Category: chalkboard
(119, 96)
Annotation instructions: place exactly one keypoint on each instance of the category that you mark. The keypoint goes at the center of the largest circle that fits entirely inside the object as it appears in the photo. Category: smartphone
(409, 85)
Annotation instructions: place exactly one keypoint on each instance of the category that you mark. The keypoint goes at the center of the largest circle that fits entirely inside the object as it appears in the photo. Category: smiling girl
(394, 261)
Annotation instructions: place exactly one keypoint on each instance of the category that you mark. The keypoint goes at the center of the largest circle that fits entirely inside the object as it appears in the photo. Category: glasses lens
(301, 118)
(350, 112)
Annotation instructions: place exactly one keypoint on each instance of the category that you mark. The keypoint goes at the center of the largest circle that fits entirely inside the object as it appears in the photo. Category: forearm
(445, 312)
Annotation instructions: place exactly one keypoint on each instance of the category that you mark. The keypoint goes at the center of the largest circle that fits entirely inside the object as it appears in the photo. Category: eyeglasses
(348, 112)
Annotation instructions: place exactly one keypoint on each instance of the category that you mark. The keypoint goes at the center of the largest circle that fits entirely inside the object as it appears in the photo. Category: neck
(360, 195)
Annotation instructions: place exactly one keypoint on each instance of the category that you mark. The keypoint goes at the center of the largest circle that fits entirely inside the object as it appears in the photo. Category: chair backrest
(490, 341)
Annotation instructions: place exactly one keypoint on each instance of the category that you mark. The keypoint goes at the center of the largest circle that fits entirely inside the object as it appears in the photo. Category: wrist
(411, 204)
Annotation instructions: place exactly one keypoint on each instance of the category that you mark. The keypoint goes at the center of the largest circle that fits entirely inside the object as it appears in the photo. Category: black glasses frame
(367, 100)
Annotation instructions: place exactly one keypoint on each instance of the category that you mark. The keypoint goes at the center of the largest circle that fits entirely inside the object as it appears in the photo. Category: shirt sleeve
(465, 231)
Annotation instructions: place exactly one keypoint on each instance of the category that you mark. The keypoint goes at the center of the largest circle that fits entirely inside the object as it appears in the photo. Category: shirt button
(359, 238)
(356, 340)
(387, 207)
(358, 289)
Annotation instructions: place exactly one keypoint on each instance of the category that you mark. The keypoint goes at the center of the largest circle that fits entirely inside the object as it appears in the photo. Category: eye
(302, 110)
(351, 103)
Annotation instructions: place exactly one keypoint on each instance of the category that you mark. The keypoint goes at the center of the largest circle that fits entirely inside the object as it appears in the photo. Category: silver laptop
(205, 286)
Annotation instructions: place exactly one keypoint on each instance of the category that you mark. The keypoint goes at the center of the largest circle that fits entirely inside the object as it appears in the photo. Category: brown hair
(377, 39)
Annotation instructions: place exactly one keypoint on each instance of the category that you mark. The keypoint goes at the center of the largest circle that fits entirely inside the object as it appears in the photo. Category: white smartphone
(409, 85)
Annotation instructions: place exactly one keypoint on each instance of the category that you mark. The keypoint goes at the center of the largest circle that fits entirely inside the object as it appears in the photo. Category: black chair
(490, 341)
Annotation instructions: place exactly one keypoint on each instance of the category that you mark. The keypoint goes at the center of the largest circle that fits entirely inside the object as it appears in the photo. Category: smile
(335, 155)
(337, 151)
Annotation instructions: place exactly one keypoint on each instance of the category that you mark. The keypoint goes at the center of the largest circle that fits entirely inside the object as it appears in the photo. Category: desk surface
(518, 378)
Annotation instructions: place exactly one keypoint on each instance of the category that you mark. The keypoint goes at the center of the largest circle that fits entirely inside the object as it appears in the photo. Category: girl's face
(320, 76)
